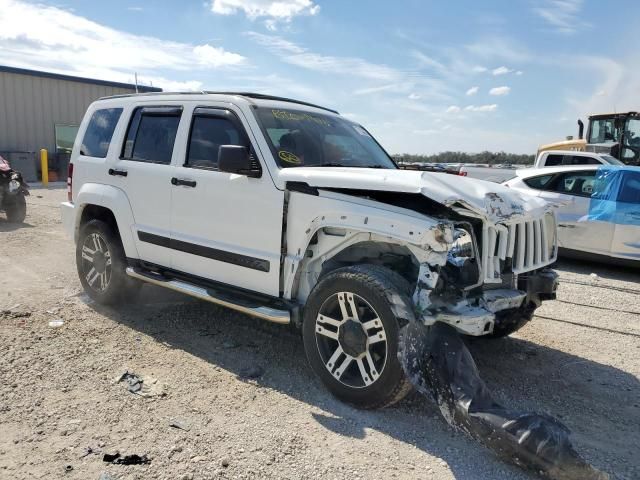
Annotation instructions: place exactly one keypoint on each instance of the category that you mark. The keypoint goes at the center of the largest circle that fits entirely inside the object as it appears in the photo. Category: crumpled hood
(490, 200)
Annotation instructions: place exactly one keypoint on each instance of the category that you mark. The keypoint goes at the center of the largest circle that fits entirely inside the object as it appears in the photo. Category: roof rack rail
(262, 96)
(257, 96)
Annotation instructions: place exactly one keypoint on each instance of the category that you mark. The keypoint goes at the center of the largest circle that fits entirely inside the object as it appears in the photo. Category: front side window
(208, 133)
(298, 138)
(97, 137)
(603, 130)
(630, 188)
(575, 183)
(151, 135)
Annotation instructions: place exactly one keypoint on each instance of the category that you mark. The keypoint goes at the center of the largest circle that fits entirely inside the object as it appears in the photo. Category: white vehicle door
(144, 172)
(577, 230)
(225, 227)
(625, 215)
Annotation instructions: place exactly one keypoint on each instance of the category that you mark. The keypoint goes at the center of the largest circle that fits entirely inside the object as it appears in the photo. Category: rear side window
(539, 183)
(207, 134)
(580, 160)
(579, 184)
(99, 132)
(553, 160)
(152, 134)
(630, 190)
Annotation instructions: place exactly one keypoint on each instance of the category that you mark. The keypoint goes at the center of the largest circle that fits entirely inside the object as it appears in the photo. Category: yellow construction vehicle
(617, 134)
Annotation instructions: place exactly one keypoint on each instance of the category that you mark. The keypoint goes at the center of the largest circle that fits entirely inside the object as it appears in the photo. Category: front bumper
(476, 315)
(68, 214)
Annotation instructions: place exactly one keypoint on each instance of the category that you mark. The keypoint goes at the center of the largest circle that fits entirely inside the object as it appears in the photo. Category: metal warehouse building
(43, 110)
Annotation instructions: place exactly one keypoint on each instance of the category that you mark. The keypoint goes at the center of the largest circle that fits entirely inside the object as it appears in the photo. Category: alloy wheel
(96, 262)
(351, 340)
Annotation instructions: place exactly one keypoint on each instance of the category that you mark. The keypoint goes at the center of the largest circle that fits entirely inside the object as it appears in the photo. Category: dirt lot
(578, 360)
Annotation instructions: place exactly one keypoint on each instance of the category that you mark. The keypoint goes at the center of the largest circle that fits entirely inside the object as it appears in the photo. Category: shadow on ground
(522, 374)
(6, 226)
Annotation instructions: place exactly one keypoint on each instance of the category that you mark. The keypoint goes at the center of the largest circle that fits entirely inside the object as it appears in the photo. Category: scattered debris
(58, 322)
(133, 459)
(105, 476)
(252, 372)
(224, 463)
(87, 451)
(438, 363)
(9, 313)
(145, 387)
(68, 468)
(177, 423)
(594, 278)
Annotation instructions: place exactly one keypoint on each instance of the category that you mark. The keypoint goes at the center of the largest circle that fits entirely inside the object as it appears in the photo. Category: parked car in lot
(557, 158)
(291, 213)
(598, 207)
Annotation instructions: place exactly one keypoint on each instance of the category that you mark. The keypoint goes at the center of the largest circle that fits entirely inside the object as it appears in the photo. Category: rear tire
(350, 335)
(16, 208)
(102, 263)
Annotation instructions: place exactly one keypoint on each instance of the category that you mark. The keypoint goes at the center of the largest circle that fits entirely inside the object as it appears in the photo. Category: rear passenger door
(144, 172)
(225, 227)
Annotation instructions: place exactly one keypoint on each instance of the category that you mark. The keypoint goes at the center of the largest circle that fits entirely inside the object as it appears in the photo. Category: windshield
(604, 130)
(611, 160)
(302, 139)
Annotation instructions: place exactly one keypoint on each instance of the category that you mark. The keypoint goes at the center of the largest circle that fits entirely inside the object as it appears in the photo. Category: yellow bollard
(44, 166)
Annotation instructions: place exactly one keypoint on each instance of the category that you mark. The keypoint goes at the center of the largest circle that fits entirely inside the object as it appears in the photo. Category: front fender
(344, 220)
(114, 199)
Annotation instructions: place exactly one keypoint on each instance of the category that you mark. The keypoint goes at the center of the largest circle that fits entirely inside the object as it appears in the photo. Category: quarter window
(97, 137)
(208, 133)
(539, 183)
(553, 160)
(152, 134)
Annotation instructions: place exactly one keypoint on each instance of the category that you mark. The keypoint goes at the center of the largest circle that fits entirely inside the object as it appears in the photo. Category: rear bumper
(476, 315)
(68, 214)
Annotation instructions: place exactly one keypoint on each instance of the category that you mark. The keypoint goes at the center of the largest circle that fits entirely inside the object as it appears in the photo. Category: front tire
(350, 335)
(101, 264)
(16, 208)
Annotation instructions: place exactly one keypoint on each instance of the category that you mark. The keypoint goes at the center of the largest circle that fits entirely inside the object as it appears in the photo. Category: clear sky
(423, 76)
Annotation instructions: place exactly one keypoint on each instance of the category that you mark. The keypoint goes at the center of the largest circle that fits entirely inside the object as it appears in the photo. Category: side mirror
(236, 159)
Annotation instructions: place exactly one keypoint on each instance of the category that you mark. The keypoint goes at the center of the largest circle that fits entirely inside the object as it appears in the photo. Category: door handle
(182, 181)
(564, 225)
(119, 173)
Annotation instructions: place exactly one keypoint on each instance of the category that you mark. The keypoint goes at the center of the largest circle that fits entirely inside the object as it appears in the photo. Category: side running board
(213, 296)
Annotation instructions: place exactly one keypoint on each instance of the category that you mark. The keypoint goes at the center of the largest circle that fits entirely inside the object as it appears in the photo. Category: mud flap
(438, 363)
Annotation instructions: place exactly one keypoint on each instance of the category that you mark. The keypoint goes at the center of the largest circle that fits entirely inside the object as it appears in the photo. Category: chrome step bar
(265, 313)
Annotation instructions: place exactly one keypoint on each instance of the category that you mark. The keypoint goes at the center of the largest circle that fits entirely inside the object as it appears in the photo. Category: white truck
(558, 158)
(289, 212)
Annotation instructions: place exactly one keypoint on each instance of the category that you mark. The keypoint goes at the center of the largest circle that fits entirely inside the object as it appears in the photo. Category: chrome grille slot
(526, 243)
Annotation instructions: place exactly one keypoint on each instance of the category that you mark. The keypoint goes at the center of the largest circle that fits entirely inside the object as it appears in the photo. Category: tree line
(491, 158)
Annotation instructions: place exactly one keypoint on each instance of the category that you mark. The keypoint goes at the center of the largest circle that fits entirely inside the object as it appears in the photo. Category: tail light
(462, 174)
(70, 182)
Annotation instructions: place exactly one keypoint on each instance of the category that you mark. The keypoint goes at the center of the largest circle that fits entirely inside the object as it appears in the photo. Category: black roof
(71, 78)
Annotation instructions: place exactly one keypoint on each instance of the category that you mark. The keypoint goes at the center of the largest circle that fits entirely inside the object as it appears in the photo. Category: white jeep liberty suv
(289, 212)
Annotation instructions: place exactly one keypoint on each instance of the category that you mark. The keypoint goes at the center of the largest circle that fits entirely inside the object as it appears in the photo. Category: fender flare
(428, 239)
(115, 200)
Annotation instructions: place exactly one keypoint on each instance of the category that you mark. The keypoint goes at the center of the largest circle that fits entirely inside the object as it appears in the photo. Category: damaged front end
(495, 276)
(486, 284)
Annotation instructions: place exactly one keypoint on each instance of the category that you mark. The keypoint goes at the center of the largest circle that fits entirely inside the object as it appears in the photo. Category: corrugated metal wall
(30, 107)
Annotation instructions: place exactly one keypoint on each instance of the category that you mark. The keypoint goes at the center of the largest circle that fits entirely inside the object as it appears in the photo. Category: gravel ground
(61, 407)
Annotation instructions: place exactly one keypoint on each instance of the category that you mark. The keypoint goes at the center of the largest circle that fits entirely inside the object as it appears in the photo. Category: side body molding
(114, 199)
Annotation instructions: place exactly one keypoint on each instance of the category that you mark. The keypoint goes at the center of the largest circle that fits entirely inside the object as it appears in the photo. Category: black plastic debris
(133, 459)
(439, 365)
(134, 383)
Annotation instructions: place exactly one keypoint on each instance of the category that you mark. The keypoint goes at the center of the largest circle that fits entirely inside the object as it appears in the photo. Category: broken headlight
(462, 264)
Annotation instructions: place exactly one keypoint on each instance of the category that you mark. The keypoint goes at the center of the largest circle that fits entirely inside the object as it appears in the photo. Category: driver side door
(226, 227)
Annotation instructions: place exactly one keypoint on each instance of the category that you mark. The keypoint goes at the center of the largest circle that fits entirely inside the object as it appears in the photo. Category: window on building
(97, 138)
(65, 136)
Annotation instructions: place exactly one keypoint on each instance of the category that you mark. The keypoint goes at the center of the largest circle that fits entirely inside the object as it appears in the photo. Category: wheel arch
(110, 204)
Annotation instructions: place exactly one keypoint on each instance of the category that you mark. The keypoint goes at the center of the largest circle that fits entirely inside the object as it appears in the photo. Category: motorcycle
(13, 190)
